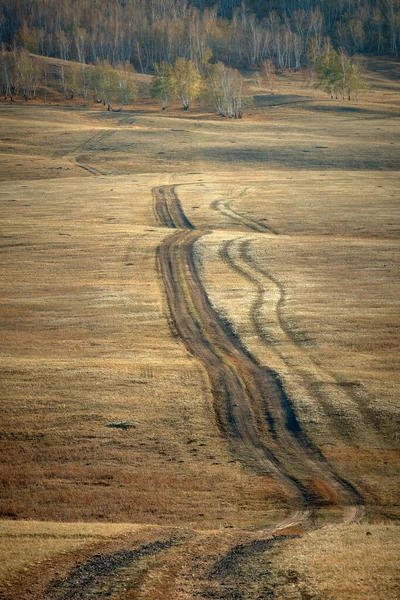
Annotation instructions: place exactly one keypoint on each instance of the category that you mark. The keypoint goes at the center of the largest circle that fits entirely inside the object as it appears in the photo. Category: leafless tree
(268, 71)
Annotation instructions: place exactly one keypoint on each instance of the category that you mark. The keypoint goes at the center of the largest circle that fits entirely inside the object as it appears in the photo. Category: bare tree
(69, 75)
(81, 43)
(84, 82)
(268, 71)
(64, 44)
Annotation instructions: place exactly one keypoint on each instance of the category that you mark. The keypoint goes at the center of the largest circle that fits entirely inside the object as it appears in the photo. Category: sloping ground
(87, 348)
(109, 415)
(340, 379)
(193, 564)
(252, 408)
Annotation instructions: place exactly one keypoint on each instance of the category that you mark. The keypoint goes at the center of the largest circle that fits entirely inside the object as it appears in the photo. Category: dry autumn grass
(106, 415)
(320, 308)
(319, 563)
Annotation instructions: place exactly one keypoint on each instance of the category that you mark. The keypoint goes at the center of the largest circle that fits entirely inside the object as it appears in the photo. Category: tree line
(22, 73)
(114, 85)
(224, 87)
(239, 34)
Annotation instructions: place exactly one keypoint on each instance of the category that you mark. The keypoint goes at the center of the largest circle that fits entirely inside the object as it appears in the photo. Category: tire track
(206, 339)
(91, 170)
(168, 210)
(252, 408)
(226, 209)
(279, 338)
(97, 136)
(102, 576)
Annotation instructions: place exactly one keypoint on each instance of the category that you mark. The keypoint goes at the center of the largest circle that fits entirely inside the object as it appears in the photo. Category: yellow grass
(29, 543)
(321, 560)
(87, 340)
(329, 305)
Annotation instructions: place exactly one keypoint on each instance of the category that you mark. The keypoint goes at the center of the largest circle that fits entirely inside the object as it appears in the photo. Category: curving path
(272, 329)
(252, 408)
(259, 422)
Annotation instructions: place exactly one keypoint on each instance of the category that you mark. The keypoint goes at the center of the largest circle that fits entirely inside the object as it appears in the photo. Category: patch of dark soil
(98, 577)
(245, 572)
(17, 245)
(229, 564)
(123, 424)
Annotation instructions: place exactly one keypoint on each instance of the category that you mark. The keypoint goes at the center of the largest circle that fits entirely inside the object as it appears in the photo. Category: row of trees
(148, 32)
(22, 73)
(336, 73)
(114, 85)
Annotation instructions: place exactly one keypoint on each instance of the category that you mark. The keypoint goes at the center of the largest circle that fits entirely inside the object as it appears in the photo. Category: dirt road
(252, 408)
(263, 432)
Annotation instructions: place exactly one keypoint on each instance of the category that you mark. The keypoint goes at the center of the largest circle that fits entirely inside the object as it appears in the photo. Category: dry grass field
(124, 472)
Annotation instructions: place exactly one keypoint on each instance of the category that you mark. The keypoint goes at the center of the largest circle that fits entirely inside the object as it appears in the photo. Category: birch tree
(226, 90)
(185, 82)
(161, 84)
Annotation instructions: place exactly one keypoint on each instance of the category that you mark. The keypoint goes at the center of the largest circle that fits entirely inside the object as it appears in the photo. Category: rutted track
(226, 209)
(271, 327)
(251, 405)
(100, 577)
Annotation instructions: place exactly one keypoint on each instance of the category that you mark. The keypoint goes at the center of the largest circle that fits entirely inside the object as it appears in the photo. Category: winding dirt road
(252, 408)
(270, 325)
(259, 423)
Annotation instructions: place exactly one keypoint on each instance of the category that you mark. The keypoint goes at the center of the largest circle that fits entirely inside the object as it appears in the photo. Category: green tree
(185, 82)
(345, 75)
(357, 81)
(106, 82)
(28, 74)
(338, 73)
(329, 71)
(114, 84)
(161, 84)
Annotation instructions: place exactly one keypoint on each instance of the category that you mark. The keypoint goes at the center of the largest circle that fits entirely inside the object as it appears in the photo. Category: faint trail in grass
(225, 207)
(91, 170)
(271, 327)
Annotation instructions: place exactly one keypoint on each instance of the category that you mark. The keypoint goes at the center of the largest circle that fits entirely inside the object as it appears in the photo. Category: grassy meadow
(109, 438)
